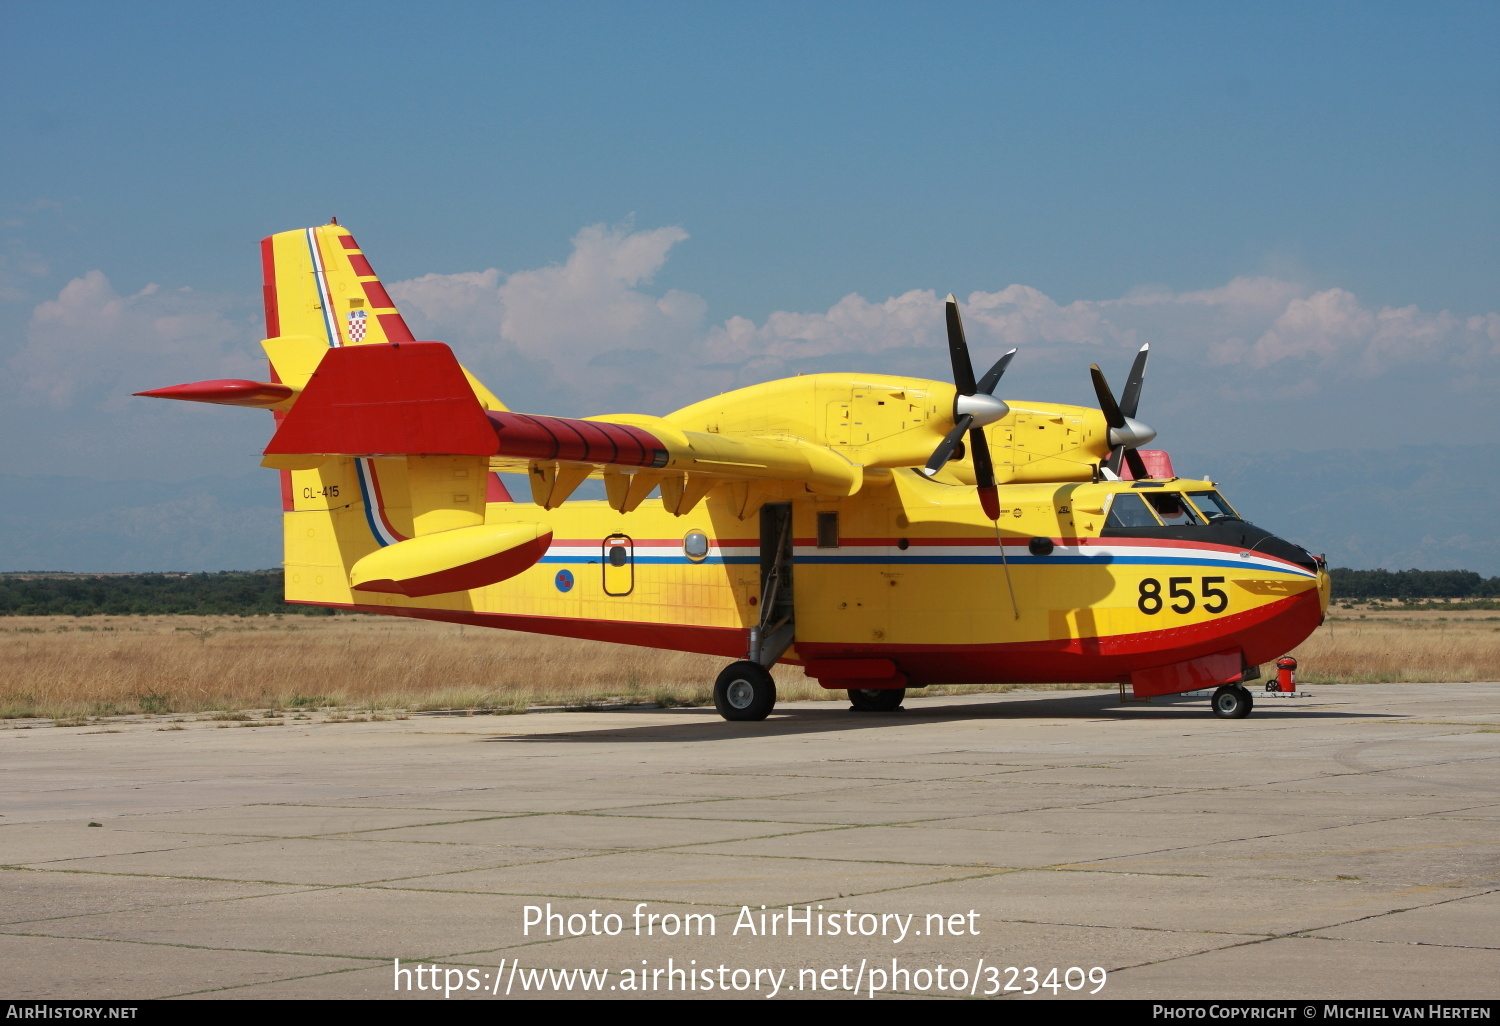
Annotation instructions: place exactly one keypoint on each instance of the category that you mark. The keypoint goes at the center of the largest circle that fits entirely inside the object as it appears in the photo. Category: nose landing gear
(1232, 702)
(876, 699)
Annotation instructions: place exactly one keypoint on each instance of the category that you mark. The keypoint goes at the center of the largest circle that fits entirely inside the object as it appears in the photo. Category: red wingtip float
(883, 532)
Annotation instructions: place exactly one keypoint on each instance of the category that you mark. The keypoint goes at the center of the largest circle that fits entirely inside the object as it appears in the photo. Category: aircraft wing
(413, 398)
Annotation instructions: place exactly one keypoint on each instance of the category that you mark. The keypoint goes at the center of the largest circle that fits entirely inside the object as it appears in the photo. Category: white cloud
(92, 345)
(469, 302)
(589, 305)
(1250, 325)
(575, 337)
(852, 325)
(591, 335)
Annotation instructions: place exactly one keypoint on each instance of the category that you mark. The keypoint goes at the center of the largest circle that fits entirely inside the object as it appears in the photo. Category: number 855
(1150, 602)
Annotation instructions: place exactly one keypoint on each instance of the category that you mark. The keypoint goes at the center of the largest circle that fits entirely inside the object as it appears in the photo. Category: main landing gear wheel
(1232, 702)
(744, 691)
(876, 699)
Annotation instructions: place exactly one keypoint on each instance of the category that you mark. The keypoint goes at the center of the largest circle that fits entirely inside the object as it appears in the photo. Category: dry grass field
(1376, 646)
(67, 668)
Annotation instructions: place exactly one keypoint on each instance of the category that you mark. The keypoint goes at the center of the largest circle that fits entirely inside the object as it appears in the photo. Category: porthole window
(695, 544)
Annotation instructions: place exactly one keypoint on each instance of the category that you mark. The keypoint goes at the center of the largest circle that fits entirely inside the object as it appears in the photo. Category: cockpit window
(1172, 510)
(1213, 507)
(1129, 510)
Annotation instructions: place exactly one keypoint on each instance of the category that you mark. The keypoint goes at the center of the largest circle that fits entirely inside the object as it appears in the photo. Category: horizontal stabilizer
(407, 397)
(226, 392)
(456, 560)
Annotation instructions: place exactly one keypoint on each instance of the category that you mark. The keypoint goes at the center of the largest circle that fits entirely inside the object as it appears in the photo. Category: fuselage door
(771, 637)
(619, 564)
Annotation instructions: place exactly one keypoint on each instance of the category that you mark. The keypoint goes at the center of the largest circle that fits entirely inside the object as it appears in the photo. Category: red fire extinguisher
(1286, 674)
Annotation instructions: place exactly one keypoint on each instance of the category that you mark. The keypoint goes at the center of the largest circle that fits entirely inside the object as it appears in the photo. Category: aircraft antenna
(1015, 609)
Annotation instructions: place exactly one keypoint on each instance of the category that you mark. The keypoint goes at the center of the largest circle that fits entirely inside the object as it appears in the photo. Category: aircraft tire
(876, 699)
(1232, 702)
(744, 691)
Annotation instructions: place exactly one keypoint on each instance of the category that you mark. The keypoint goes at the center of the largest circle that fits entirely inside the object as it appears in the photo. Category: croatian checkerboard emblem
(358, 319)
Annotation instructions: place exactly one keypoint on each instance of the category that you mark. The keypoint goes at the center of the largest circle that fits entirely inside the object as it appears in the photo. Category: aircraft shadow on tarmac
(1092, 707)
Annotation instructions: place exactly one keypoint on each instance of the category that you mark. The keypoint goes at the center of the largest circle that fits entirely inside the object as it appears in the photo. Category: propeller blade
(984, 467)
(989, 501)
(992, 376)
(1131, 399)
(990, 409)
(1107, 404)
(1137, 465)
(944, 452)
(958, 350)
(984, 474)
(1115, 458)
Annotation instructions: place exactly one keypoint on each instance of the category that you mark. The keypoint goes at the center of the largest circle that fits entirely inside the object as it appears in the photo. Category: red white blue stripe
(949, 552)
(325, 299)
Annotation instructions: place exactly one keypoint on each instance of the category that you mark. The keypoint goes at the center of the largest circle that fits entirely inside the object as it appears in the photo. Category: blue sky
(811, 150)
(1296, 203)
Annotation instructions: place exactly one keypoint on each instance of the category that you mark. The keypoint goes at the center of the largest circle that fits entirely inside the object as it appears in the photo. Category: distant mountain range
(1411, 507)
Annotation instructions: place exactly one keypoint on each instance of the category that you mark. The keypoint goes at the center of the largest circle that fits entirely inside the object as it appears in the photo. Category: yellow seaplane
(882, 532)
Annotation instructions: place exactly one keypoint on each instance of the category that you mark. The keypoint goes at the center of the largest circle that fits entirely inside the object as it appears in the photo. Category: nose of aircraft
(1258, 539)
(1272, 545)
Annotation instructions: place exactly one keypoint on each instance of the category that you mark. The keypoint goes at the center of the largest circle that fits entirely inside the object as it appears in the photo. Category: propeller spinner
(1126, 434)
(974, 407)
